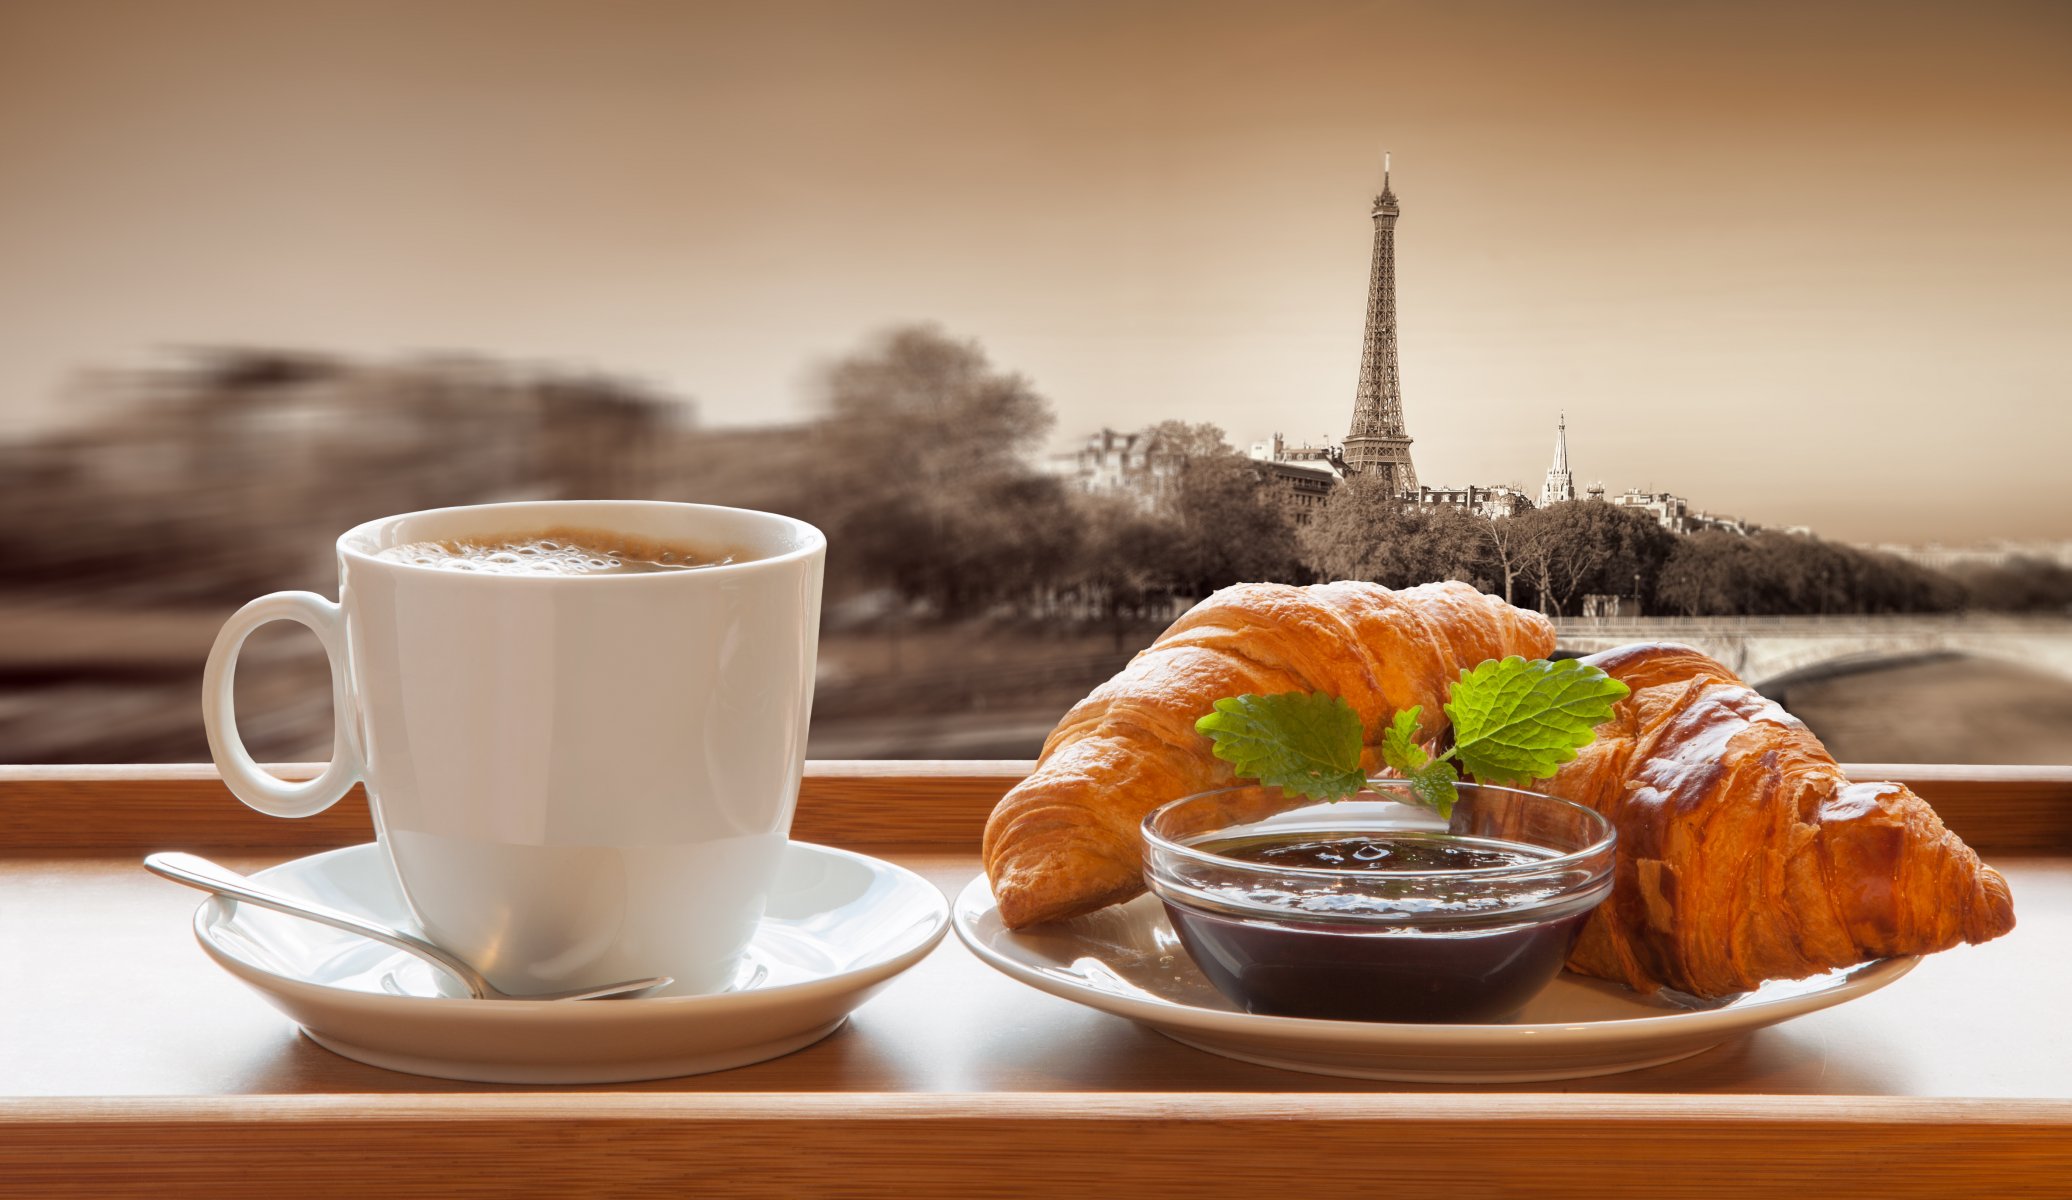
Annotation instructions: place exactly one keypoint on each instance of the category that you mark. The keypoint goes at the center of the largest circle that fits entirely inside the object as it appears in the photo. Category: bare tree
(1510, 544)
(1561, 555)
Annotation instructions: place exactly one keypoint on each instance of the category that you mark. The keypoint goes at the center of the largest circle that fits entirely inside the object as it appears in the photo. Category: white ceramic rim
(355, 543)
(891, 960)
(1866, 978)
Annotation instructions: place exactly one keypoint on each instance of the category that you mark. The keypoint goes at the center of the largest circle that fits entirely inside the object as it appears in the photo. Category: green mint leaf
(1306, 744)
(1431, 781)
(1516, 721)
(1433, 784)
(1399, 748)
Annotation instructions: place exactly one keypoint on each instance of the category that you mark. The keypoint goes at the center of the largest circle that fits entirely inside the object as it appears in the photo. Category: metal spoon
(198, 872)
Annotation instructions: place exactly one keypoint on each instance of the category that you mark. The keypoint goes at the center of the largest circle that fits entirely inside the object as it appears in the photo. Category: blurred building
(1671, 512)
(1302, 486)
(1307, 474)
(1301, 477)
(1674, 513)
(1139, 465)
(1278, 450)
(1497, 500)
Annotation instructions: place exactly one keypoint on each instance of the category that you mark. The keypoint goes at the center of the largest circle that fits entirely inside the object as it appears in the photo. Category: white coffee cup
(578, 779)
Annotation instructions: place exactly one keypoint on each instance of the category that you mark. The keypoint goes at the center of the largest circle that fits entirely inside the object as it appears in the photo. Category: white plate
(839, 926)
(1126, 960)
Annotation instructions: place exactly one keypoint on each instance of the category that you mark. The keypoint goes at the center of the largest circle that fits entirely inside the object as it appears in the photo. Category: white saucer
(838, 927)
(1126, 960)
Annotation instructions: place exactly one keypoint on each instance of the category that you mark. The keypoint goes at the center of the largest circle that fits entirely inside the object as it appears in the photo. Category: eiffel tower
(1377, 441)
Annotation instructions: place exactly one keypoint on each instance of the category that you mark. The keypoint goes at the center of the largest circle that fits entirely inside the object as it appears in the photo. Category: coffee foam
(557, 551)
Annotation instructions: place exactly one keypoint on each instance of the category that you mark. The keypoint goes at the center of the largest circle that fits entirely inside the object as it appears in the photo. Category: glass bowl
(1375, 908)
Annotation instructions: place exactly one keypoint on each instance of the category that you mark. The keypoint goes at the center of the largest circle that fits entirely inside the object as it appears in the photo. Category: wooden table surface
(128, 1058)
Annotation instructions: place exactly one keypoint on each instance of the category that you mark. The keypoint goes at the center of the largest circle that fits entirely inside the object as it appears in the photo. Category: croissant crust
(1065, 841)
(1745, 854)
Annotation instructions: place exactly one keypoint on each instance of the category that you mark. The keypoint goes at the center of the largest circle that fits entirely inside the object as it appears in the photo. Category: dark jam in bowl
(1331, 957)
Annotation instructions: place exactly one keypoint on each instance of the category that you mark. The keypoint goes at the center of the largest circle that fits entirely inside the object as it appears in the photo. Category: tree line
(237, 469)
(924, 484)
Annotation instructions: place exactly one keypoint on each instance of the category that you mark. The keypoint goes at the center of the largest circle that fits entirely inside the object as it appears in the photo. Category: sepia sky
(1805, 263)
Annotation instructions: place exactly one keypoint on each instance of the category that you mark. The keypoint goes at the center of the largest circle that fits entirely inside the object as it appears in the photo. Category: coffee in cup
(560, 551)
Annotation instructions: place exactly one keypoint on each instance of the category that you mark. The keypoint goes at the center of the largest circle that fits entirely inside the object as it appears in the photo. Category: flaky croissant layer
(1065, 841)
(1745, 854)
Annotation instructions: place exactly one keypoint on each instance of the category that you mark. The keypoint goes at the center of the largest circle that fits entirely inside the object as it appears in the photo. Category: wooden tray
(129, 1063)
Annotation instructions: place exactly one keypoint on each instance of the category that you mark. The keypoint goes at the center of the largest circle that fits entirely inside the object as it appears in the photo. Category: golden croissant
(1744, 853)
(1065, 841)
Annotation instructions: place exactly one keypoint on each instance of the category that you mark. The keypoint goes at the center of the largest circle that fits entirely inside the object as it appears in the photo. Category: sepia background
(1014, 299)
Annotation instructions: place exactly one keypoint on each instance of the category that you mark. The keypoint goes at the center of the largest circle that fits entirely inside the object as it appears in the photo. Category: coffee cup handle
(248, 781)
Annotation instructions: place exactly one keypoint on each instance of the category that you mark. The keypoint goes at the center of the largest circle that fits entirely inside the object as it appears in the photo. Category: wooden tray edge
(1401, 1108)
(1023, 1144)
(943, 804)
(138, 808)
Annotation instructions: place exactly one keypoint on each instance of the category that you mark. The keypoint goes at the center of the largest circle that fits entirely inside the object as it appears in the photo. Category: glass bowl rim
(1602, 845)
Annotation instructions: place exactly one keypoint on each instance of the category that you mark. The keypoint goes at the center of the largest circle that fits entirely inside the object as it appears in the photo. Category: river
(1947, 710)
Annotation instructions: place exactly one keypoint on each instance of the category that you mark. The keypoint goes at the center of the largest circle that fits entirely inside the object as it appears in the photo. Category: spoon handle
(198, 872)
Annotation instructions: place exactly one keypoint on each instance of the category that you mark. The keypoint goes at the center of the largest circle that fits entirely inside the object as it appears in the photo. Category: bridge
(1771, 651)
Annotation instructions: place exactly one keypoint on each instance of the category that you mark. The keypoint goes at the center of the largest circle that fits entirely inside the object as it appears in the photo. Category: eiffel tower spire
(1377, 441)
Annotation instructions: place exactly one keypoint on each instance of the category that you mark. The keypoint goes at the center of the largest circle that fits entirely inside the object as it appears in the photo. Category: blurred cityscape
(1678, 365)
(975, 589)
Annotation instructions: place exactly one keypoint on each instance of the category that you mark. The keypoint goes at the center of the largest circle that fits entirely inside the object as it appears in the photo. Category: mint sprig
(1514, 721)
(1305, 743)
(1432, 779)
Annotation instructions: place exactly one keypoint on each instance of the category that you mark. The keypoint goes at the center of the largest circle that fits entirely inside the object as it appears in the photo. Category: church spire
(1561, 482)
